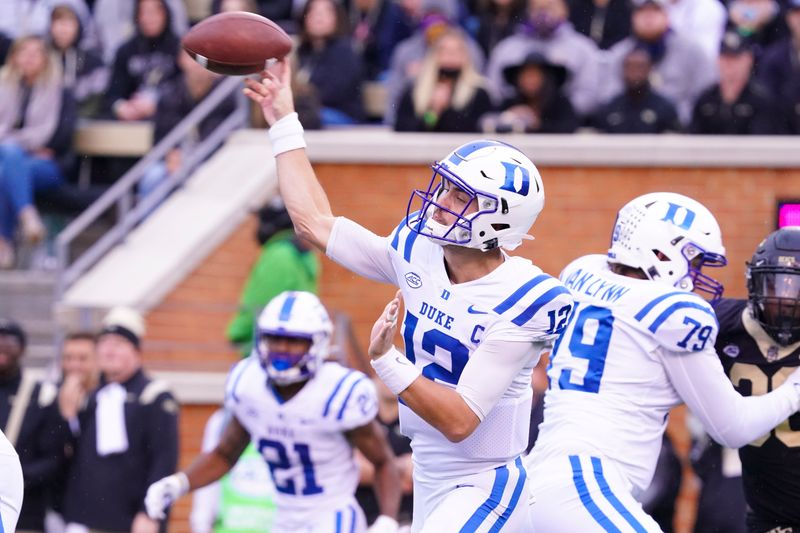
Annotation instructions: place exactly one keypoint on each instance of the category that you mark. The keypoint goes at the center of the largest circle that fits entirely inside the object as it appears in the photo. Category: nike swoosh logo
(401, 360)
(474, 311)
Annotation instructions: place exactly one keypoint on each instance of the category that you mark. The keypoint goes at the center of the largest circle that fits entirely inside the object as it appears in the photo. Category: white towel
(112, 435)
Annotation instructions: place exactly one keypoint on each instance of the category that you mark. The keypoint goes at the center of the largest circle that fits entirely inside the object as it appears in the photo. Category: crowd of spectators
(526, 66)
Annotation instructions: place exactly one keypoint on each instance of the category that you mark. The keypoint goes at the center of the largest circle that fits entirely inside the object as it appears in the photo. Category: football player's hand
(163, 493)
(273, 93)
(383, 524)
(384, 329)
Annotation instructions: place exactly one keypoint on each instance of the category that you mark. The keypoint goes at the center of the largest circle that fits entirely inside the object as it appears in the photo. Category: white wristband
(395, 370)
(286, 135)
(183, 481)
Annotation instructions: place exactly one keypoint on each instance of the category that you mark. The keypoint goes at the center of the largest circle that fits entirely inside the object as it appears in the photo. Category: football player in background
(475, 321)
(759, 344)
(304, 415)
(11, 487)
(637, 344)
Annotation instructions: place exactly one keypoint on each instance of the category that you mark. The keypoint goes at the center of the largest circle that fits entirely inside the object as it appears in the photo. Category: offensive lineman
(759, 345)
(304, 415)
(637, 344)
(476, 318)
(11, 486)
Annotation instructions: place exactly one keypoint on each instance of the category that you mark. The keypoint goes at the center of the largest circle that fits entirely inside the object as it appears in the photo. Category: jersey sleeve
(536, 311)
(233, 385)
(361, 251)
(680, 322)
(353, 402)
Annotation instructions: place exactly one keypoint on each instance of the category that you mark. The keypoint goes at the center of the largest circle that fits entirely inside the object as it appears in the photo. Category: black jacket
(107, 492)
(43, 439)
(558, 115)
(176, 102)
(451, 120)
(753, 113)
(648, 112)
(336, 72)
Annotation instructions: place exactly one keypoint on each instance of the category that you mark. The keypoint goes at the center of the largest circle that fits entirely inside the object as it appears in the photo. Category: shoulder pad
(352, 402)
(539, 304)
(403, 239)
(679, 321)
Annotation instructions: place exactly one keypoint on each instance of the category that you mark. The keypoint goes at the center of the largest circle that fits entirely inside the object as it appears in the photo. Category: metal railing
(122, 192)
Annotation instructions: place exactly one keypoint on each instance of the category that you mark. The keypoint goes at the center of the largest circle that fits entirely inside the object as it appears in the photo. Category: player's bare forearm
(304, 198)
(441, 407)
(211, 466)
(371, 441)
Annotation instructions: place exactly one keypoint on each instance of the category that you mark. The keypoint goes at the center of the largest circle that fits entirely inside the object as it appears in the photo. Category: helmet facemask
(285, 367)
(697, 259)
(774, 294)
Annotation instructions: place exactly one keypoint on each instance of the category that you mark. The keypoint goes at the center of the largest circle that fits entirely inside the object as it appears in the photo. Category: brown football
(236, 43)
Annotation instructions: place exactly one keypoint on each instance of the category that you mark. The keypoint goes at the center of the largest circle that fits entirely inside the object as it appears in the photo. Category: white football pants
(348, 517)
(584, 493)
(496, 500)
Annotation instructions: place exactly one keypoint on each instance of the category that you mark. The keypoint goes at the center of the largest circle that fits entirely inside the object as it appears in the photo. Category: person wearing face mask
(449, 94)
(638, 108)
(549, 32)
(758, 20)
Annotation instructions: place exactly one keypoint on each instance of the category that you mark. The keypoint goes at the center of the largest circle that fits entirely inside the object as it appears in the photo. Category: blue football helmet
(296, 315)
(499, 180)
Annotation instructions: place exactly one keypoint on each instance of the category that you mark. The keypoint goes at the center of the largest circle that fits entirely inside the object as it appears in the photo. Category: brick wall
(186, 330)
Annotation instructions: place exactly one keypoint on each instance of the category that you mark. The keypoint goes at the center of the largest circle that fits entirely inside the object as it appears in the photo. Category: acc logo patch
(413, 280)
(731, 350)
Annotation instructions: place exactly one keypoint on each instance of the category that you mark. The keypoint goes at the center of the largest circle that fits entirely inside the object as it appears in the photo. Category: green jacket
(282, 266)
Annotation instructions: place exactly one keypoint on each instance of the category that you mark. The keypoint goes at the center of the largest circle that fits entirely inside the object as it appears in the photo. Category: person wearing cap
(128, 436)
(681, 70)
(638, 108)
(30, 420)
(737, 105)
(778, 70)
(548, 31)
(539, 104)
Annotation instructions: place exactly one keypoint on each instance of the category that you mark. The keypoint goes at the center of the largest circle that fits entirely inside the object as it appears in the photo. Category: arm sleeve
(491, 369)
(361, 251)
(51, 439)
(162, 439)
(356, 404)
(730, 419)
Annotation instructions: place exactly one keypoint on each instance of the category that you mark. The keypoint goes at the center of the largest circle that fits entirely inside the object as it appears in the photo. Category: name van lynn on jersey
(591, 285)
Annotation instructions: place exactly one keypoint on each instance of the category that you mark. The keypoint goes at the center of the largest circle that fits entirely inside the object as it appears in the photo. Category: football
(236, 43)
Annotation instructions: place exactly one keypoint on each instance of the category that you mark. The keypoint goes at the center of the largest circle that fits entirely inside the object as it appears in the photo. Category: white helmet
(298, 315)
(501, 180)
(661, 233)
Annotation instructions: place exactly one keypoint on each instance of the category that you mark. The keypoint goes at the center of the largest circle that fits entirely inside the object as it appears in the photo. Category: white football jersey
(303, 440)
(445, 323)
(609, 394)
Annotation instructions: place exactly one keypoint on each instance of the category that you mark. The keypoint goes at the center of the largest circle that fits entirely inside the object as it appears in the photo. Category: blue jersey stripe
(506, 304)
(347, 398)
(1, 524)
(540, 302)
(480, 514)
(512, 504)
(333, 394)
(586, 498)
(675, 307)
(396, 238)
(597, 466)
(338, 522)
(412, 237)
(286, 309)
(649, 307)
(465, 151)
(352, 518)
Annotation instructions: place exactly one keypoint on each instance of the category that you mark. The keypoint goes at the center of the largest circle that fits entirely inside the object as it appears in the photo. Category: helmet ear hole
(499, 227)
(661, 255)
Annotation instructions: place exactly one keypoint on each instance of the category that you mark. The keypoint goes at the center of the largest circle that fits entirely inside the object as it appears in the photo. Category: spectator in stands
(20, 18)
(144, 64)
(225, 6)
(638, 109)
(606, 22)
(378, 27)
(437, 17)
(327, 60)
(5, 46)
(539, 105)
(84, 73)
(116, 22)
(549, 32)
(37, 118)
(128, 436)
(681, 70)
(179, 96)
(449, 95)
(779, 70)
(737, 105)
(30, 420)
(496, 20)
(284, 264)
(758, 20)
(700, 20)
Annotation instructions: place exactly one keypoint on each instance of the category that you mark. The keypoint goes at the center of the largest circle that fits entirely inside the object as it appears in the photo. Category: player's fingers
(286, 72)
